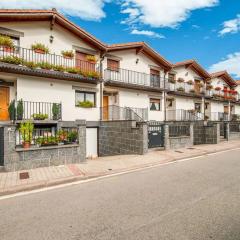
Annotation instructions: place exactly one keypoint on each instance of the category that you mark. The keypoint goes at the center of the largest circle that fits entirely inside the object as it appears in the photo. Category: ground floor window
(85, 99)
(155, 104)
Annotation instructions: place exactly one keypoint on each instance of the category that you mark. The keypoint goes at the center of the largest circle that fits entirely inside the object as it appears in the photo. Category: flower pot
(67, 57)
(39, 51)
(8, 49)
(26, 145)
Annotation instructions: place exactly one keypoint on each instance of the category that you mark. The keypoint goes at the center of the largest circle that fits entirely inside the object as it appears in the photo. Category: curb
(45, 184)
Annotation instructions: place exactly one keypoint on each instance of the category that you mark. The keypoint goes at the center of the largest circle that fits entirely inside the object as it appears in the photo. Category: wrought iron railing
(28, 110)
(179, 130)
(45, 137)
(30, 58)
(133, 77)
(185, 87)
(114, 112)
(183, 115)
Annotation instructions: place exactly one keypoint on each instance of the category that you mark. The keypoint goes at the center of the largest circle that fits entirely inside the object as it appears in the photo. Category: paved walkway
(10, 182)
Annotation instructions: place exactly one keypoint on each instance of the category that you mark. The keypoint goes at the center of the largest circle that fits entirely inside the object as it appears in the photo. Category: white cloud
(162, 13)
(231, 26)
(85, 9)
(231, 63)
(147, 33)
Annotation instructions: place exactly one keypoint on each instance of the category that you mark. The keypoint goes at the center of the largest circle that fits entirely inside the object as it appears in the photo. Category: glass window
(81, 96)
(154, 104)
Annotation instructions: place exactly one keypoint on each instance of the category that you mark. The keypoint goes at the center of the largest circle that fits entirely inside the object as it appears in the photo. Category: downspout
(164, 95)
(102, 56)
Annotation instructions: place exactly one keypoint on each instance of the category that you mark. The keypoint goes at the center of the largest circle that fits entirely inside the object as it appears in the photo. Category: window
(198, 107)
(155, 104)
(155, 78)
(113, 65)
(81, 96)
(171, 78)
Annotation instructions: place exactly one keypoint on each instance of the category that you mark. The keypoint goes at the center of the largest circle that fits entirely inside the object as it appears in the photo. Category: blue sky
(205, 30)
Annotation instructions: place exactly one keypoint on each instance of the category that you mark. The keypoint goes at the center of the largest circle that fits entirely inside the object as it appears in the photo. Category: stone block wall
(122, 137)
(18, 159)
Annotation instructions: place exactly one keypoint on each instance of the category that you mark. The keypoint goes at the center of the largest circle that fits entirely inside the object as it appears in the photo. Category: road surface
(194, 199)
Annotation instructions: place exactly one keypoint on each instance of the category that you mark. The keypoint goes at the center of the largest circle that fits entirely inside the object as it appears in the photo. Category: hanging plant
(40, 48)
(7, 43)
(190, 82)
(180, 80)
(68, 54)
(91, 58)
(217, 88)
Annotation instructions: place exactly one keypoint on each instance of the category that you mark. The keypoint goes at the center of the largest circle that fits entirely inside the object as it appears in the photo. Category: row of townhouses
(54, 73)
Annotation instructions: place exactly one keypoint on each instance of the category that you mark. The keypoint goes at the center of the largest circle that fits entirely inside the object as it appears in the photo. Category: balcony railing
(38, 111)
(114, 112)
(219, 116)
(30, 58)
(184, 87)
(183, 115)
(134, 78)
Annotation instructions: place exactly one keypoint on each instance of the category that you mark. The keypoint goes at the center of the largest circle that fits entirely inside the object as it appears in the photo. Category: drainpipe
(102, 56)
(164, 95)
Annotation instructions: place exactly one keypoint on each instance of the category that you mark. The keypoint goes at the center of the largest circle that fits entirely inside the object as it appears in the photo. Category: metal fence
(234, 127)
(179, 130)
(44, 137)
(183, 115)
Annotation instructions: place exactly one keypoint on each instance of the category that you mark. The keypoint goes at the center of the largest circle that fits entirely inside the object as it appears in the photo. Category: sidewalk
(10, 182)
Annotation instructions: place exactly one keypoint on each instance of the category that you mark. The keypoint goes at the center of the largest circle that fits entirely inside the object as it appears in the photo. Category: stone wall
(122, 137)
(206, 134)
(19, 158)
(179, 141)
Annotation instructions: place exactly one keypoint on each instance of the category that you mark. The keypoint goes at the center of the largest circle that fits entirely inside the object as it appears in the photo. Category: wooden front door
(105, 108)
(4, 103)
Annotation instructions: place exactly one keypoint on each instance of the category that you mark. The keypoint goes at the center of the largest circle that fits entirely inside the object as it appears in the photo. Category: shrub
(46, 141)
(45, 65)
(12, 60)
(58, 68)
(26, 130)
(31, 65)
(20, 110)
(39, 116)
(41, 47)
(12, 110)
(85, 104)
(68, 54)
(6, 41)
(72, 136)
(72, 70)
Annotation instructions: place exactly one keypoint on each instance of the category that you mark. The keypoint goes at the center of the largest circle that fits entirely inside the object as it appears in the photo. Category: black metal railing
(234, 127)
(26, 110)
(219, 116)
(234, 117)
(179, 130)
(114, 112)
(133, 77)
(30, 58)
(44, 137)
(183, 115)
(185, 87)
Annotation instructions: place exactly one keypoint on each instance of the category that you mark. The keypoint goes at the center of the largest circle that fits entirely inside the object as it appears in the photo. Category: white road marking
(107, 176)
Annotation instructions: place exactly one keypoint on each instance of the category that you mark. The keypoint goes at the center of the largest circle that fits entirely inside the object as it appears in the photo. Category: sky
(205, 30)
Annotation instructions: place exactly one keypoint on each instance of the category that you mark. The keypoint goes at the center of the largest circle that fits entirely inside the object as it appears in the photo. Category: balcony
(28, 60)
(183, 115)
(35, 111)
(219, 116)
(225, 95)
(128, 78)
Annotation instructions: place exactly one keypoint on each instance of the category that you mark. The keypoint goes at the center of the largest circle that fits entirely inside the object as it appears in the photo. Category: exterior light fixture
(137, 60)
(51, 38)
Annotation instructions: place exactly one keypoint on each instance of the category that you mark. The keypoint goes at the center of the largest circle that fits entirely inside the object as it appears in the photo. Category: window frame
(110, 67)
(150, 102)
(86, 92)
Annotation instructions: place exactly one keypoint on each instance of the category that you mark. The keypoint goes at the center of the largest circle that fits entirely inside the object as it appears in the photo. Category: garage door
(91, 142)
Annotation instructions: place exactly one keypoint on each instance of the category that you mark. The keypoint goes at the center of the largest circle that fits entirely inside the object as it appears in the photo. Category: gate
(223, 130)
(155, 134)
(1, 146)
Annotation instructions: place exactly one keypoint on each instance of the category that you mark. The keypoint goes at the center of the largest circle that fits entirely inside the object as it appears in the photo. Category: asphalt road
(195, 199)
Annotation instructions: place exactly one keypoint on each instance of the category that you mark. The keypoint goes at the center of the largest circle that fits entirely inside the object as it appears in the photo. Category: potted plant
(91, 58)
(192, 91)
(190, 82)
(12, 60)
(7, 43)
(58, 68)
(40, 48)
(20, 110)
(72, 70)
(45, 65)
(180, 89)
(47, 141)
(62, 135)
(31, 65)
(180, 80)
(72, 136)
(68, 54)
(206, 118)
(39, 116)
(56, 111)
(12, 110)
(209, 87)
(26, 131)
(85, 104)
(217, 88)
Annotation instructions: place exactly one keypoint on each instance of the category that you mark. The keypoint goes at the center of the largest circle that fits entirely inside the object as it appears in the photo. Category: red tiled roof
(225, 76)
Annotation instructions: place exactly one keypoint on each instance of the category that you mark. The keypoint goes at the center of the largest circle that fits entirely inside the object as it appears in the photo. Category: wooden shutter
(113, 64)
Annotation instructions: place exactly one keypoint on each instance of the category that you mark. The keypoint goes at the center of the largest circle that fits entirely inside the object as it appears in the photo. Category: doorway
(4, 103)
(105, 107)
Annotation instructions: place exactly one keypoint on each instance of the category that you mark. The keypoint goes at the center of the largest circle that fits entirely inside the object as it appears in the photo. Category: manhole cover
(23, 175)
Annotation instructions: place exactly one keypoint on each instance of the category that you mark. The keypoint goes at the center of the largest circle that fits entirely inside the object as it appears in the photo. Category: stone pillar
(218, 132)
(82, 139)
(227, 131)
(166, 137)
(191, 133)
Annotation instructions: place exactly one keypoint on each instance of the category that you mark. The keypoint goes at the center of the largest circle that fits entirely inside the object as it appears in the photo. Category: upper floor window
(171, 77)
(113, 65)
(155, 104)
(154, 78)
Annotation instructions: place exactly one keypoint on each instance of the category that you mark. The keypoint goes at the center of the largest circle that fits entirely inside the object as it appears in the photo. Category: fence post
(166, 137)
(227, 131)
(191, 133)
